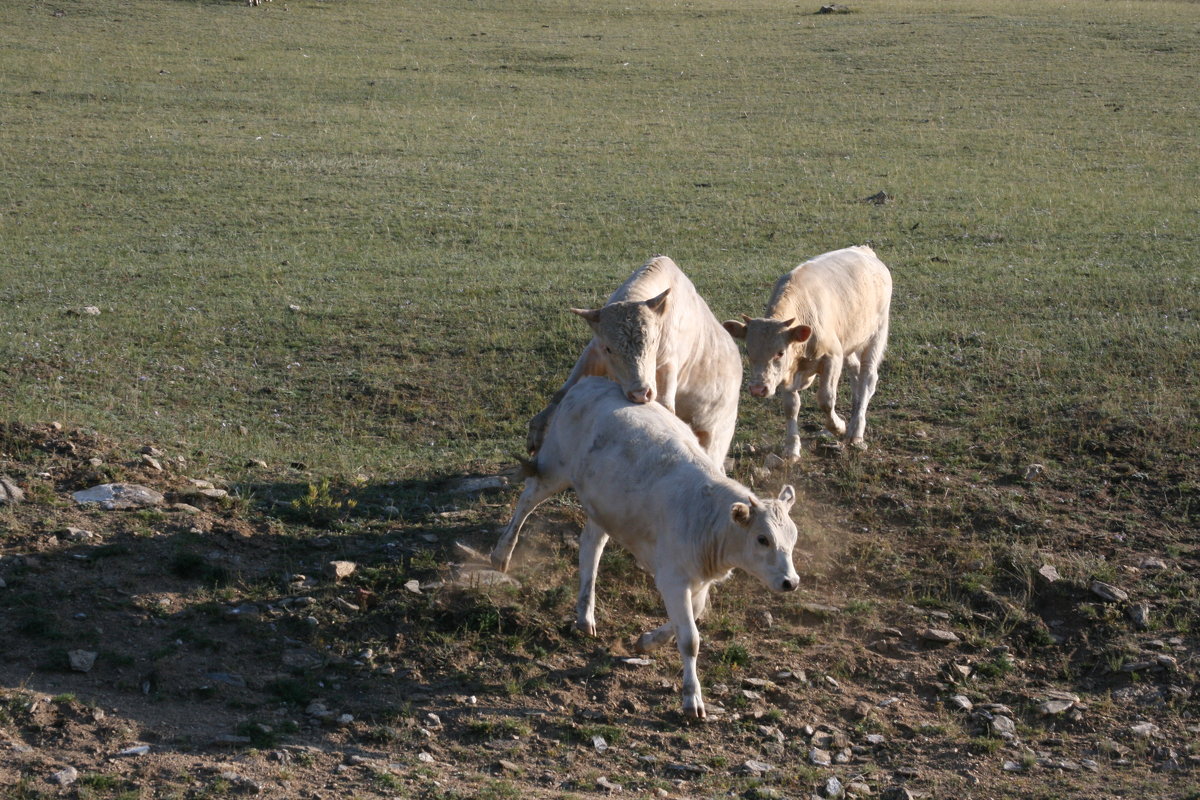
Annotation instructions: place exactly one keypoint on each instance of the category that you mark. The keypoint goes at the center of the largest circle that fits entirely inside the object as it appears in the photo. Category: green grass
(433, 184)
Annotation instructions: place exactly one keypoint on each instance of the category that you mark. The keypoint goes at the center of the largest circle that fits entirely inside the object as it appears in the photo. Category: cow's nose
(758, 390)
(789, 585)
(641, 395)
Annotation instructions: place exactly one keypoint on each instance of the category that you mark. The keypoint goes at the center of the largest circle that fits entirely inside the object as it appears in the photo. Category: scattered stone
(184, 508)
(834, 789)
(1002, 727)
(1151, 562)
(474, 485)
(1048, 573)
(230, 740)
(1139, 615)
(897, 793)
(858, 789)
(635, 661)
(762, 619)
(136, 750)
(1144, 730)
(599, 744)
(961, 702)
(1052, 708)
(1034, 471)
(755, 768)
(1106, 591)
(1013, 766)
(413, 586)
(302, 659)
(607, 785)
(773, 462)
(344, 720)
(10, 493)
(75, 534)
(879, 198)
(339, 570)
(425, 757)
(507, 766)
(819, 757)
(938, 636)
(152, 462)
(64, 777)
(228, 678)
(119, 496)
(82, 660)
(241, 782)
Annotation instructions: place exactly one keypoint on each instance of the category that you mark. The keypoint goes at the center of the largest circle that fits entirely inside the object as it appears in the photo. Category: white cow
(657, 338)
(829, 311)
(641, 476)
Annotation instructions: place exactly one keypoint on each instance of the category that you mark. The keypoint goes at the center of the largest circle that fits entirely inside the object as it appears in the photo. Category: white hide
(826, 314)
(658, 338)
(643, 479)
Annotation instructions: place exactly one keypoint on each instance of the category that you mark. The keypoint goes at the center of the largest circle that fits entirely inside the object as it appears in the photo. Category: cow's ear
(736, 329)
(659, 303)
(800, 333)
(591, 315)
(741, 513)
(787, 496)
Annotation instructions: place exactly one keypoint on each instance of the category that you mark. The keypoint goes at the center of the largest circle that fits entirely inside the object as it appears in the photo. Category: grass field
(342, 237)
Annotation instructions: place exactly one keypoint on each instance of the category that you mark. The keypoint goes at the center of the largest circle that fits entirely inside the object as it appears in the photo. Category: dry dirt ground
(231, 660)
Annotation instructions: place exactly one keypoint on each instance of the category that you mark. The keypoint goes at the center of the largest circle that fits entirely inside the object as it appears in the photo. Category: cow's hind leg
(827, 387)
(536, 490)
(791, 408)
(864, 389)
(591, 547)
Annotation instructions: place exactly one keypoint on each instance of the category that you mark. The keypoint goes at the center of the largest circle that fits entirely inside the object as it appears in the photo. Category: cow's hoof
(858, 444)
(694, 707)
(585, 627)
(499, 562)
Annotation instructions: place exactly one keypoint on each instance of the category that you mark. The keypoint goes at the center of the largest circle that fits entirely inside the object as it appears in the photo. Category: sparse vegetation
(332, 246)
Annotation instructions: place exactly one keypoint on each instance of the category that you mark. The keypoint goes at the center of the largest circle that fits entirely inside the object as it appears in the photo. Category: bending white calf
(644, 480)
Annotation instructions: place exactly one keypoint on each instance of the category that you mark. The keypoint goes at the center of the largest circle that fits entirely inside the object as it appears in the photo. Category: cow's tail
(527, 467)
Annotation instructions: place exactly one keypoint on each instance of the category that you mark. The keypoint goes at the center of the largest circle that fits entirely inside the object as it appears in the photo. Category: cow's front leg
(827, 387)
(536, 490)
(791, 408)
(591, 547)
(677, 596)
(668, 386)
(866, 380)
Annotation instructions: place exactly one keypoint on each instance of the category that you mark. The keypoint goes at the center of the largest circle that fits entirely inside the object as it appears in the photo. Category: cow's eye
(763, 540)
(608, 349)
(779, 354)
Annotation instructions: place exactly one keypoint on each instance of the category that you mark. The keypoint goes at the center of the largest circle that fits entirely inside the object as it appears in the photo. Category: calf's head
(628, 334)
(769, 535)
(774, 349)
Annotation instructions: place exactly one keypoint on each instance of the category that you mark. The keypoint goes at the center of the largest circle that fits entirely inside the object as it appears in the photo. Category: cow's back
(844, 292)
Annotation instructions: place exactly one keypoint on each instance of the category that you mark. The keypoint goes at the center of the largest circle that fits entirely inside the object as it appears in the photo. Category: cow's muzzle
(642, 395)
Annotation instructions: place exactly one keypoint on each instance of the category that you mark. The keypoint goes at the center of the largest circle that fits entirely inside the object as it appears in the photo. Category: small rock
(10, 493)
(635, 661)
(879, 198)
(1107, 591)
(897, 793)
(1002, 727)
(64, 777)
(413, 586)
(607, 785)
(819, 757)
(938, 636)
(507, 766)
(339, 570)
(136, 750)
(961, 702)
(152, 462)
(82, 660)
(344, 719)
(75, 534)
(774, 462)
(1034, 471)
(762, 619)
(241, 782)
(478, 484)
(1144, 730)
(1048, 572)
(1052, 708)
(256, 463)
(599, 744)
(756, 768)
(858, 789)
(1139, 615)
(1013, 766)
(118, 496)
(834, 789)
